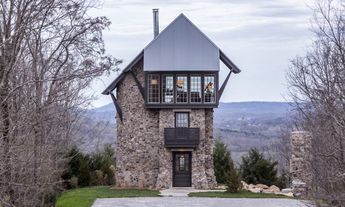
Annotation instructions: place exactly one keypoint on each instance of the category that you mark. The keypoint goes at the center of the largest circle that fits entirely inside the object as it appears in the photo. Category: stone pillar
(300, 162)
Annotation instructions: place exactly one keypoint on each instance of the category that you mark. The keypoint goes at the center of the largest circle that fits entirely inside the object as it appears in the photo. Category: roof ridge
(171, 23)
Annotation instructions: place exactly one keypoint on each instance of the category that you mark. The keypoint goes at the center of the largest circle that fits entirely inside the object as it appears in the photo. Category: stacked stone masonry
(299, 163)
(142, 161)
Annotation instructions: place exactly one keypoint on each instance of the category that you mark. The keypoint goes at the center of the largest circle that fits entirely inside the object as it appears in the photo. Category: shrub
(84, 170)
(233, 183)
(222, 161)
(283, 180)
(104, 161)
(256, 169)
(78, 167)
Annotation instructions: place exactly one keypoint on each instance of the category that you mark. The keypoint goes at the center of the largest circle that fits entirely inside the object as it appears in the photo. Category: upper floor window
(153, 88)
(181, 119)
(209, 91)
(168, 89)
(195, 89)
(181, 89)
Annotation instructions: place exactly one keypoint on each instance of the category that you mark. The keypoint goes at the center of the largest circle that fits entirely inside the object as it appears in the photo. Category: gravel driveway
(196, 202)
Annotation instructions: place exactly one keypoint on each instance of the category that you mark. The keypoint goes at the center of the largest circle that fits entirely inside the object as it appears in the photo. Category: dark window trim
(201, 87)
(175, 101)
(162, 94)
(148, 89)
(187, 104)
(182, 112)
(215, 88)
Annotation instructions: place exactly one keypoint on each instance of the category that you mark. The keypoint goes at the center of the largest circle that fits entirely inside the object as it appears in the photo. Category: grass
(241, 194)
(84, 197)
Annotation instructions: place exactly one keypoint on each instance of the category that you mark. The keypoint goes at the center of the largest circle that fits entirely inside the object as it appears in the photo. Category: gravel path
(196, 202)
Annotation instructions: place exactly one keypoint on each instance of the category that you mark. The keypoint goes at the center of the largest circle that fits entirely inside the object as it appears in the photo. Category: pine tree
(256, 169)
(222, 161)
(233, 182)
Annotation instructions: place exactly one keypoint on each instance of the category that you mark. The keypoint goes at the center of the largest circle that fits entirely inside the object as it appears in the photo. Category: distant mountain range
(241, 125)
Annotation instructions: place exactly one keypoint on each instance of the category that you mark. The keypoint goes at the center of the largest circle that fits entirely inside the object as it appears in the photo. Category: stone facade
(142, 161)
(299, 163)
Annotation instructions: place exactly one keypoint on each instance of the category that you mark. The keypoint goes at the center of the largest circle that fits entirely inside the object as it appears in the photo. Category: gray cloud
(268, 31)
(260, 36)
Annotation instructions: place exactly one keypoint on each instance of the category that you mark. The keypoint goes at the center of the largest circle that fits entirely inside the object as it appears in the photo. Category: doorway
(182, 169)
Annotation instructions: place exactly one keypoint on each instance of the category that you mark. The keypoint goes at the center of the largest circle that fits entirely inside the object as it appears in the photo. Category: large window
(168, 89)
(209, 91)
(181, 89)
(195, 89)
(181, 119)
(153, 89)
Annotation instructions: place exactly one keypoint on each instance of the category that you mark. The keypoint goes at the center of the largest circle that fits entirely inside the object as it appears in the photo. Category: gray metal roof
(181, 46)
(183, 52)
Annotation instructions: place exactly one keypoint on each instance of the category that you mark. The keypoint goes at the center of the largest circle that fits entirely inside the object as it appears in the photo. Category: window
(181, 89)
(168, 89)
(182, 163)
(182, 119)
(195, 89)
(153, 89)
(209, 92)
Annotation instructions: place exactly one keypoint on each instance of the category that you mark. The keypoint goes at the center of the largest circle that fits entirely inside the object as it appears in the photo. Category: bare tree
(50, 51)
(317, 85)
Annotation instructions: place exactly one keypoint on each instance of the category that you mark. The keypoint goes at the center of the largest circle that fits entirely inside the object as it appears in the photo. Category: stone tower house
(164, 101)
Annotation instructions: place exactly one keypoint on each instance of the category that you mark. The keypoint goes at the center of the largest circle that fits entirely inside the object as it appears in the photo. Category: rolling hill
(241, 125)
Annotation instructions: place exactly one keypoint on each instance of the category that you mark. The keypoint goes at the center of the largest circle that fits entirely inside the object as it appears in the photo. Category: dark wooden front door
(182, 169)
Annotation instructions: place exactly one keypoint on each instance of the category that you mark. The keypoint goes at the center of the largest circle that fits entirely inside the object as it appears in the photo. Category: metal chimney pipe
(155, 23)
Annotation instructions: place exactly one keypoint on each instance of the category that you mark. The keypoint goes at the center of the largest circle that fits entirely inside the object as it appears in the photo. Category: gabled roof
(181, 46)
(179, 22)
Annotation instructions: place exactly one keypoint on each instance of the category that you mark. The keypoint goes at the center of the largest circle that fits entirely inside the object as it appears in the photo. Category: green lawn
(241, 194)
(84, 197)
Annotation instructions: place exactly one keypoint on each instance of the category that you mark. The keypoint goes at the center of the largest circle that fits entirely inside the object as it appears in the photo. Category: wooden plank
(117, 106)
(141, 88)
(220, 92)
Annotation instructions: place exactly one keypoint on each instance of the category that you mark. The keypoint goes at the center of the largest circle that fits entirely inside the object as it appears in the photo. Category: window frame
(188, 119)
(201, 88)
(215, 90)
(173, 86)
(148, 88)
(182, 105)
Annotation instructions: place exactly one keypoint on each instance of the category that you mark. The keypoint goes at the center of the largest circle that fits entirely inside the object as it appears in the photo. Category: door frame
(190, 165)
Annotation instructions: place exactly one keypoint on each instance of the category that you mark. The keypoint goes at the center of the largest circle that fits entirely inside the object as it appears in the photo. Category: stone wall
(142, 161)
(136, 151)
(299, 163)
(202, 159)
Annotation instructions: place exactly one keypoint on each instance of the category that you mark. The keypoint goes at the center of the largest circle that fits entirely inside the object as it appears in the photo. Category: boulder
(221, 187)
(244, 185)
(271, 189)
(262, 186)
(254, 188)
(287, 190)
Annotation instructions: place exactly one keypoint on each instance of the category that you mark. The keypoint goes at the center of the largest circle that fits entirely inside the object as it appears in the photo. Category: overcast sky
(259, 36)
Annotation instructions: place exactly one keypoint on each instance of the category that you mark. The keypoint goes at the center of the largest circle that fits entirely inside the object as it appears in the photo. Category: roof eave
(228, 62)
(113, 85)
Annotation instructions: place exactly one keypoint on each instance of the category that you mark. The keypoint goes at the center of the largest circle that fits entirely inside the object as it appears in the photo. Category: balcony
(181, 137)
